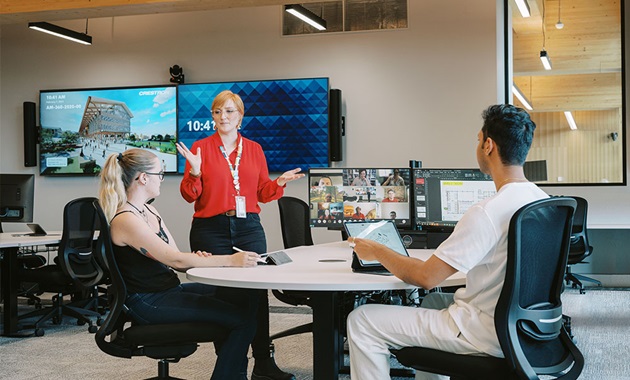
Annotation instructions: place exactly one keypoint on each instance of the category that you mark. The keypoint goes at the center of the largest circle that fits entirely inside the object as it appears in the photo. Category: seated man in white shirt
(464, 322)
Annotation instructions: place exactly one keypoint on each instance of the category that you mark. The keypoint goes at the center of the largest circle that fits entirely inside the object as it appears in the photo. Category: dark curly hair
(511, 129)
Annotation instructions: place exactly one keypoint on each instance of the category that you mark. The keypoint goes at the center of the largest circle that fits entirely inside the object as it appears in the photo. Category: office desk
(9, 246)
(325, 270)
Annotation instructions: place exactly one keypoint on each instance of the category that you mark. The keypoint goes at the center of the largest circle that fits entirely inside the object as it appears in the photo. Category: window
(350, 15)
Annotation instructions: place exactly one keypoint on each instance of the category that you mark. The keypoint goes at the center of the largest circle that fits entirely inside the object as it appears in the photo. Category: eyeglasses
(160, 175)
(229, 112)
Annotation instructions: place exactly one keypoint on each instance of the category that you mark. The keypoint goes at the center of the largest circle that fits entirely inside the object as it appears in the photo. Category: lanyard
(234, 169)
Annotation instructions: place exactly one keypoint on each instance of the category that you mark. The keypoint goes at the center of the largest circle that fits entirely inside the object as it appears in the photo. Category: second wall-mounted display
(288, 118)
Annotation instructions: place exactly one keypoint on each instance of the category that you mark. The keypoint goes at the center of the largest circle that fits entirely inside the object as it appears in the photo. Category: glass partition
(577, 102)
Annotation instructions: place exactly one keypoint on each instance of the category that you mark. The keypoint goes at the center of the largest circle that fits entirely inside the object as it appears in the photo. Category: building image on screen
(288, 118)
(81, 128)
(358, 194)
(442, 196)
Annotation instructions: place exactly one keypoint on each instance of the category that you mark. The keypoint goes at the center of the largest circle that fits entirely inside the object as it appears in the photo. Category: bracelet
(194, 175)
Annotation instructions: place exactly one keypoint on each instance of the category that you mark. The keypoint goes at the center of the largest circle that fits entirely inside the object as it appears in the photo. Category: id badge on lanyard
(241, 205)
(241, 208)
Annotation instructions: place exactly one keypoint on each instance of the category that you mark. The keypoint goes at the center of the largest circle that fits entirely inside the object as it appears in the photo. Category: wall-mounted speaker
(335, 126)
(30, 135)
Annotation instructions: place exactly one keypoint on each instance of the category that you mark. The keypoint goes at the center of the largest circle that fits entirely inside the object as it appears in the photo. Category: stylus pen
(237, 249)
(240, 250)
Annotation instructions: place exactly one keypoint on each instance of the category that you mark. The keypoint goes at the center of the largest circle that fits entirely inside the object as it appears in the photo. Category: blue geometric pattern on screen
(288, 118)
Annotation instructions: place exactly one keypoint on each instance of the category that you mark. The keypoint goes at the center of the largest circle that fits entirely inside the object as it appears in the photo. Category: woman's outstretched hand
(289, 176)
(193, 159)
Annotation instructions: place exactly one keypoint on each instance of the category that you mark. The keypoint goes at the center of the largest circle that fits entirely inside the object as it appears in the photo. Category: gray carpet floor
(600, 324)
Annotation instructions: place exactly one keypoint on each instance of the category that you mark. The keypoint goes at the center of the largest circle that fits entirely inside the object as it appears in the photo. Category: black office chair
(296, 231)
(75, 273)
(528, 317)
(119, 336)
(580, 248)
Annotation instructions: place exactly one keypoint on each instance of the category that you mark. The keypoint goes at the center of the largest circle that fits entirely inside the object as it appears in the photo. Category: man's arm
(425, 274)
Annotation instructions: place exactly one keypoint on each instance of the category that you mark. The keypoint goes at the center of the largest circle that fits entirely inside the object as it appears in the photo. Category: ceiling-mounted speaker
(336, 127)
(30, 135)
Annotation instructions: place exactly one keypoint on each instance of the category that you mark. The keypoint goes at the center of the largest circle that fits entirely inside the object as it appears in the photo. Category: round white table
(325, 270)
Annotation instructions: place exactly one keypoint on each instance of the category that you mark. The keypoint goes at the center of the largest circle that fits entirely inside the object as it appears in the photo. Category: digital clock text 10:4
(199, 125)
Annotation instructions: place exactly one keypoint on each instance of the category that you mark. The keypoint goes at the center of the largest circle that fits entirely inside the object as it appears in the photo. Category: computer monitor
(442, 196)
(358, 194)
(16, 197)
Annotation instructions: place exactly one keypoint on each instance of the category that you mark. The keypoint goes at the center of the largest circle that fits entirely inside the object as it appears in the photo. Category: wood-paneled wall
(586, 155)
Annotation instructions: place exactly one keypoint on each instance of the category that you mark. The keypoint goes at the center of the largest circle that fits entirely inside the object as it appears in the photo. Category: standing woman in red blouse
(226, 176)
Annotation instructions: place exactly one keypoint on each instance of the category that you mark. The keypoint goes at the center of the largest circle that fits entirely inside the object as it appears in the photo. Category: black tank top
(141, 273)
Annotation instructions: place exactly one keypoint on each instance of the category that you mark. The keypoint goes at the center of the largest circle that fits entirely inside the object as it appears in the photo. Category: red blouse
(213, 192)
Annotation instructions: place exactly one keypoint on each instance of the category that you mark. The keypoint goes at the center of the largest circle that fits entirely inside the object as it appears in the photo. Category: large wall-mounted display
(81, 128)
(288, 118)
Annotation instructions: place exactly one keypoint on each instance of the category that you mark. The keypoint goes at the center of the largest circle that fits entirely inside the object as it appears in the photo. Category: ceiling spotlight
(177, 74)
(306, 16)
(559, 24)
(82, 38)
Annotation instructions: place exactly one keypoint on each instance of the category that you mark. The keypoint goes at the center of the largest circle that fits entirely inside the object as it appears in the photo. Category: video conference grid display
(339, 195)
(442, 196)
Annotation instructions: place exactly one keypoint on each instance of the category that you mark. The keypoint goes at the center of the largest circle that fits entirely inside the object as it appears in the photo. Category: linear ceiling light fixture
(82, 38)
(523, 7)
(521, 97)
(544, 58)
(306, 16)
(570, 120)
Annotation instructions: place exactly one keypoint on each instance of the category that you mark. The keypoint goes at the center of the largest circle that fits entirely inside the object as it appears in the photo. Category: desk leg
(9, 290)
(327, 339)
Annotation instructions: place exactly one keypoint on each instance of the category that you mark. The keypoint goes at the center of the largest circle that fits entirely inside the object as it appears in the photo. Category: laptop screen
(383, 232)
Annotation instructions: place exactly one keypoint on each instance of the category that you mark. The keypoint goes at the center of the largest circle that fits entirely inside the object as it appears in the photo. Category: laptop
(384, 232)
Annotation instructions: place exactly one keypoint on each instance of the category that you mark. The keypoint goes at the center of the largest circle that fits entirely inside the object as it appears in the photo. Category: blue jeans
(192, 302)
(218, 235)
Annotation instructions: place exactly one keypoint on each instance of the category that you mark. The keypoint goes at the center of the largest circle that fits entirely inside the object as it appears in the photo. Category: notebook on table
(384, 232)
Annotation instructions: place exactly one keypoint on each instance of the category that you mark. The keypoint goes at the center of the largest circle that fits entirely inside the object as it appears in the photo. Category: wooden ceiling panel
(585, 55)
(554, 93)
(23, 11)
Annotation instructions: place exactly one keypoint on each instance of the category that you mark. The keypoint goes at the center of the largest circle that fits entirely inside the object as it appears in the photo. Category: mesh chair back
(117, 292)
(76, 250)
(294, 222)
(580, 247)
(528, 317)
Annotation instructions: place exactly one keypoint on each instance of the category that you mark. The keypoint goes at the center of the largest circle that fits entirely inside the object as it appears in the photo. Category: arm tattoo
(146, 253)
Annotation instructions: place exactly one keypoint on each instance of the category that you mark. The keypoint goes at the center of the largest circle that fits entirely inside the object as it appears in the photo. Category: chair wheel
(39, 332)
(92, 329)
(99, 321)
(80, 322)
(56, 320)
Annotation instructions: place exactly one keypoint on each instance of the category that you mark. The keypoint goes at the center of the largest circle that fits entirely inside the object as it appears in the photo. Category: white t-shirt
(478, 248)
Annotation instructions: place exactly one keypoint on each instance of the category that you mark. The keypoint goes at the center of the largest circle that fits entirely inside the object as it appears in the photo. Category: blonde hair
(118, 173)
(223, 97)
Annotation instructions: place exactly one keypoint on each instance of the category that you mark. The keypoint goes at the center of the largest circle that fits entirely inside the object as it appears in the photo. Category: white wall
(408, 94)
